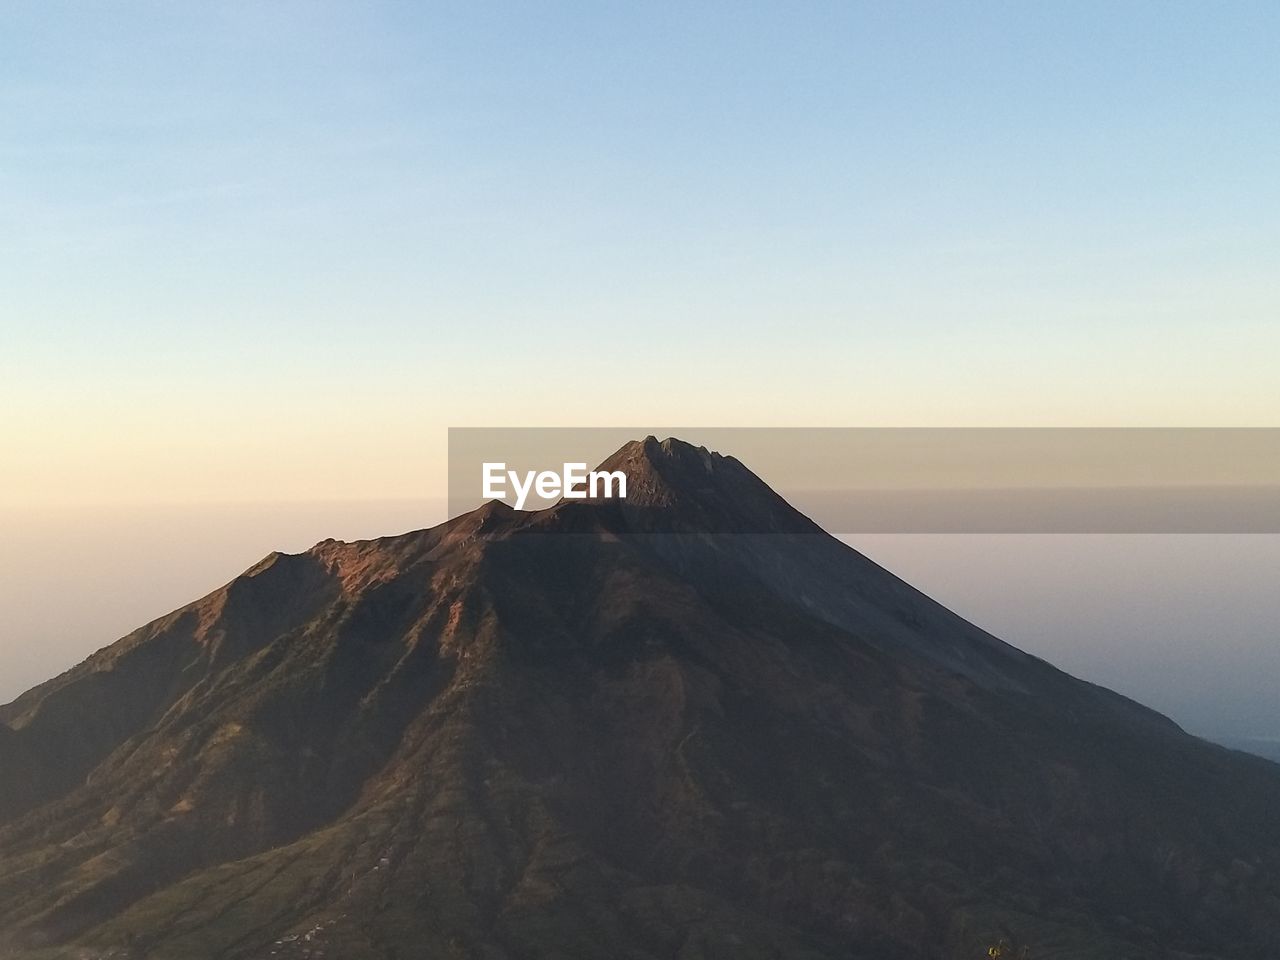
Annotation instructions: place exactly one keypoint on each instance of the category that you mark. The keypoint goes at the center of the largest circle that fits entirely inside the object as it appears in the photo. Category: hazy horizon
(1185, 624)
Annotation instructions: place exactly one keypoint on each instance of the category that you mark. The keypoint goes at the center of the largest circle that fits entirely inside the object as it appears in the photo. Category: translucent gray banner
(906, 480)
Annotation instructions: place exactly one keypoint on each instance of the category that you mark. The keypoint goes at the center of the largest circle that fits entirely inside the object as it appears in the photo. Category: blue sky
(261, 225)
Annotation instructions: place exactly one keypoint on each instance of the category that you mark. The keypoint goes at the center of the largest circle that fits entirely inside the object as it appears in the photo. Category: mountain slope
(686, 725)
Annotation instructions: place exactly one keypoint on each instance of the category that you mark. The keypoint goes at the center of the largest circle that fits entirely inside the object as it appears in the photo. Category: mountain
(1268, 747)
(688, 724)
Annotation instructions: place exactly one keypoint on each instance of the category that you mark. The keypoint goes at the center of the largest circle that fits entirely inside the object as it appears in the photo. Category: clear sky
(269, 252)
(272, 250)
